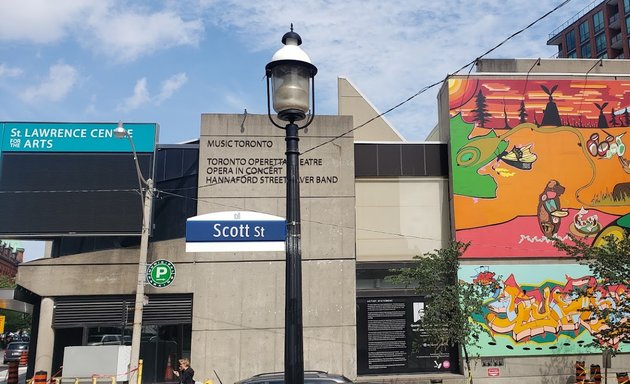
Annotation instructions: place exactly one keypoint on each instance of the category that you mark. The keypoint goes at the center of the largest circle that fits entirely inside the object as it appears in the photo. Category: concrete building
(370, 202)
(599, 31)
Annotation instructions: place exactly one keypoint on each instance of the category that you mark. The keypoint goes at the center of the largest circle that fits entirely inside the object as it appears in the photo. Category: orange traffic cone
(24, 358)
(168, 373)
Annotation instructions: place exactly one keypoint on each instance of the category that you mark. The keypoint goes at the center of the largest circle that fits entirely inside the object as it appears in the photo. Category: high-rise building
(599, 31)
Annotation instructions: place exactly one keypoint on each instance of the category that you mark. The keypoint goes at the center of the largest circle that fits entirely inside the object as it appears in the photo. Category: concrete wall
(238, 298)
(238, 323)
(401, 218)
(353, 103)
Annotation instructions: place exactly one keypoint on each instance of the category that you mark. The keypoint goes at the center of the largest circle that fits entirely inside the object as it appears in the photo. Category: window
(572, 55)
(570, 40)
(628, 24)
(600, 43)
(598, 22)
(603, 55)
(585, 50)
(626, 6)
(584, 31)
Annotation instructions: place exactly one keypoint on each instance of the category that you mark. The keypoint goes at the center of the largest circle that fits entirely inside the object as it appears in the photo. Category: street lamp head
(120, 131)
(290, 72)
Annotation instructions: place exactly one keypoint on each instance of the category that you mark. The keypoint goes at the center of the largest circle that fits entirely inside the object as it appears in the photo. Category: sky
(169, 61)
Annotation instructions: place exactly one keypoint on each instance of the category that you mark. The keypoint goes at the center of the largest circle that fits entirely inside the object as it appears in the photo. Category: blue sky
(170, 61)
(167, 62)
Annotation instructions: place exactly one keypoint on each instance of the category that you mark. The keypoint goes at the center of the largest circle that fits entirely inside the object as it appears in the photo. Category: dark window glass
(572, 55)
(584, 31)
(600, 43)
(598, 22)
(628, 24)
(570, 41)
(626, 6)
(586, 50)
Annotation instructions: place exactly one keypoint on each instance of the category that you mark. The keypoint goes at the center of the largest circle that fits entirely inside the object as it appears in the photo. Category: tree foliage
(450, 302)
(608, 296)
(13, 320)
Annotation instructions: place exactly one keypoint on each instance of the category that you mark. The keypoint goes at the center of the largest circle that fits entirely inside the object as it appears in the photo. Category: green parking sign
(160, 273)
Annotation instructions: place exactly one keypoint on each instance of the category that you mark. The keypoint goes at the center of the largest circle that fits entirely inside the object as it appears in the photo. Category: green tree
(13, 320)
(609, 301)
(450, 302)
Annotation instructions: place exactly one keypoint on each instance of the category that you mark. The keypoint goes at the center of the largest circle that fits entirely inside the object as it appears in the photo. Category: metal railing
(574, 18)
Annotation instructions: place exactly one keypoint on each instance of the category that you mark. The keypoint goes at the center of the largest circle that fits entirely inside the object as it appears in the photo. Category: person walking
(185, 372)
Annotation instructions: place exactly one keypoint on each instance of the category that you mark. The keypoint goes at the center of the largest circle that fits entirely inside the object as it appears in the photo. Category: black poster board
(60, 194)
(389, 341)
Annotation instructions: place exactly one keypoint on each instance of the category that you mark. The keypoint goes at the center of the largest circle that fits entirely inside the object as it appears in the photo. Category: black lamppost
(290, 72)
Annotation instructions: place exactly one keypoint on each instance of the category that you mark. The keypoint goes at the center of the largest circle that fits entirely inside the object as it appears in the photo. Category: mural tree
(522, 113)
(450, 303)
(481, 112)
(551, 115)
(610, 265)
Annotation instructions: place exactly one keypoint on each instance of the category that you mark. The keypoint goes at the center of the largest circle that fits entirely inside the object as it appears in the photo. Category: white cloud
(127, 35)
(60, 81)
(140, 97)
(6, 71)
(391, 50)
(170, 86)
(41, 21)
(111, 28)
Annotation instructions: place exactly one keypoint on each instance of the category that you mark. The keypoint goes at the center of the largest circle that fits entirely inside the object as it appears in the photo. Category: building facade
(370, 206)
(10, 258)
(599, 31)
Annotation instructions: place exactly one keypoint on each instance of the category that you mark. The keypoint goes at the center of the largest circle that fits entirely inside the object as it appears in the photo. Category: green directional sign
(160, 273)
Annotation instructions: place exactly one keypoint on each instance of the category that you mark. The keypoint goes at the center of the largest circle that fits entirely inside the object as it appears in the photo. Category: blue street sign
(235, 231)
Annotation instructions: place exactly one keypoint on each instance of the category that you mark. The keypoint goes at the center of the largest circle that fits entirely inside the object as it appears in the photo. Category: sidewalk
(21, 375)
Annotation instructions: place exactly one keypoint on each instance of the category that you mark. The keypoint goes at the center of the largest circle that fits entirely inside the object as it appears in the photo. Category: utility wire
(426, 88)
(421, 91)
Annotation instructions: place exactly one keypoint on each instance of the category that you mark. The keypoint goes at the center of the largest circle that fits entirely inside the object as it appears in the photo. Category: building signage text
(235, 231)
(258, 169)
(75, 137)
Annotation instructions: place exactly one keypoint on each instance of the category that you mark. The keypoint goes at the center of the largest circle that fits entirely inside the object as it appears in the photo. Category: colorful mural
(533, 160)
(535, 310)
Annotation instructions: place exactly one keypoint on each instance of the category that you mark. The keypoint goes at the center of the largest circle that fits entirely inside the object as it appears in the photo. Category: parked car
(109, 340)
(14, 351)
(310, 377)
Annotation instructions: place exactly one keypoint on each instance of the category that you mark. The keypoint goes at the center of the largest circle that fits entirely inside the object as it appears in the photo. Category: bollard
(140, 362)
(596, 373)
(41, 377)
(580, 372)
(12, 376)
